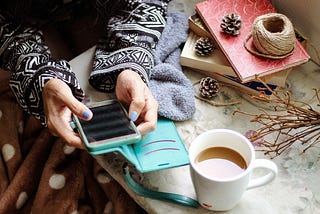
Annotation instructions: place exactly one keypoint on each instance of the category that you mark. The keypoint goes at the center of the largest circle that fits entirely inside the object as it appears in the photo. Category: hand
(59, 104)
(133, 93)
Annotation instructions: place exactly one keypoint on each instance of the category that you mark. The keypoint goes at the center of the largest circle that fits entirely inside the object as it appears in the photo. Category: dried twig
(298, 121)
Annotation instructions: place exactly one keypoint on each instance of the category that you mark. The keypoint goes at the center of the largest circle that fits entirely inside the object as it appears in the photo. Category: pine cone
(209, 87)
(231, 24)
(204, 46)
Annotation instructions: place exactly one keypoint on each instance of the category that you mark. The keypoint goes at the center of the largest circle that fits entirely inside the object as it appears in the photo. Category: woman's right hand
(59, 104)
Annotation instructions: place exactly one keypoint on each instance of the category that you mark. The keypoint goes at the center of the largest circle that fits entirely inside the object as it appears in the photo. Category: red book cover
(246, 64)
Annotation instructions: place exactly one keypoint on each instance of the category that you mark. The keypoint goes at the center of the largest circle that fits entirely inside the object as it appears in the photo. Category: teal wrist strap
(164, 196)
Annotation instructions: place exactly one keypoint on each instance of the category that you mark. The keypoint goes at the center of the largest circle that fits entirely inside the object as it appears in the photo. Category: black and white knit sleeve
(129, 42)
(24, 53)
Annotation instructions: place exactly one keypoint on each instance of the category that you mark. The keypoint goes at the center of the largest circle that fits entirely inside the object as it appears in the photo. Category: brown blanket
(39, 173)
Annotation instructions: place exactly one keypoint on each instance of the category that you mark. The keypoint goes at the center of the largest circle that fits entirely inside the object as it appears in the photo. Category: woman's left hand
(133, 93)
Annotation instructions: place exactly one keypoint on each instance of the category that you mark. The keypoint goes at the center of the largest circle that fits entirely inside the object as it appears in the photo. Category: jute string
(272, 35)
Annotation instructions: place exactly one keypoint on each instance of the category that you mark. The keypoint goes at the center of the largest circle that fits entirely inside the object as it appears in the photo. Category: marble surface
(296, 188)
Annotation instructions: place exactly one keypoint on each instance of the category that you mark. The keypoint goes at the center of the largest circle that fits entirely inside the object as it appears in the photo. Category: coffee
(220, 162)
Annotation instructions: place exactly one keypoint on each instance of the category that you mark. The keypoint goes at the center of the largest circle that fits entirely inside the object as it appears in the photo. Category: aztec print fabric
(24, 52)
(129, 42)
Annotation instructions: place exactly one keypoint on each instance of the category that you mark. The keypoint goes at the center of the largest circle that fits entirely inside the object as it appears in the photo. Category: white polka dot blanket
(39, 173)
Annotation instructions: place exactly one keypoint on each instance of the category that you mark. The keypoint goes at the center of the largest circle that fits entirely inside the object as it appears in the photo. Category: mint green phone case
(160, 149)
(110, 127)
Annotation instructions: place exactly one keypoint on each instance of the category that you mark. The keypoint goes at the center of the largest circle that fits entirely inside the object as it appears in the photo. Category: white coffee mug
(221, 194)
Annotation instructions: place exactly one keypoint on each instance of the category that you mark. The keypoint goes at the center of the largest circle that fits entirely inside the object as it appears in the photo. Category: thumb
(136, 106)
(78, 108)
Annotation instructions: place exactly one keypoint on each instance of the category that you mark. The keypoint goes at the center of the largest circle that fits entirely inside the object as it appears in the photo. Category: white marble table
(296, 188)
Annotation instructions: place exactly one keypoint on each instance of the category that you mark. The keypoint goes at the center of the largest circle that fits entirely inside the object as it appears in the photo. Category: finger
(75, 141)
(77, 107)
(146, 127)
(149, 122)
(72, 139)
(138, 102)
(65, 131)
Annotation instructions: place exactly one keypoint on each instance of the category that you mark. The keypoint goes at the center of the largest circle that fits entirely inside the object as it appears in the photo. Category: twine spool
(273, 36)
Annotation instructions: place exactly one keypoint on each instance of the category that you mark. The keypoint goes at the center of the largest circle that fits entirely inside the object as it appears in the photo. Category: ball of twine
(273, 36)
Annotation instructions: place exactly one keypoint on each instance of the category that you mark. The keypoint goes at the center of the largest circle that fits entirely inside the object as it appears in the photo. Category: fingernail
(134, 116)
(86, 114)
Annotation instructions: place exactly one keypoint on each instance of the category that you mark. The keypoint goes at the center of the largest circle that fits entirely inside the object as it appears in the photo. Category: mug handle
(265, 179)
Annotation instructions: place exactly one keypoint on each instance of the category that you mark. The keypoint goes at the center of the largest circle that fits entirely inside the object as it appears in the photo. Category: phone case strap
(164, 196)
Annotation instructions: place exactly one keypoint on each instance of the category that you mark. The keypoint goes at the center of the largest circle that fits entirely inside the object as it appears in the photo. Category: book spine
(197, 26)
(253, 88)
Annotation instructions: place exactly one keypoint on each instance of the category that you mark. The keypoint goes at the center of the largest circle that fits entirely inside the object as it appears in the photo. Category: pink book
(246, 65)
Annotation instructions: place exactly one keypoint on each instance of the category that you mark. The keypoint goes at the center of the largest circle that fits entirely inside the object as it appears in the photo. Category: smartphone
(109, 127)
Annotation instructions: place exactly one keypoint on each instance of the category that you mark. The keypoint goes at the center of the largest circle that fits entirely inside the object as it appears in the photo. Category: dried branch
(298, 121)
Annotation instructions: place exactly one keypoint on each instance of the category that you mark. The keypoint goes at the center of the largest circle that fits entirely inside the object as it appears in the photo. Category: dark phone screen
(108, 121)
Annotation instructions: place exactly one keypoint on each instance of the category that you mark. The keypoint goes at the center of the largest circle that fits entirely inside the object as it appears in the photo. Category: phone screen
(109, 121)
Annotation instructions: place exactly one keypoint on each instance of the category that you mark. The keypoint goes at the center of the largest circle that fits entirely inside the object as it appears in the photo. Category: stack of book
(231, 63)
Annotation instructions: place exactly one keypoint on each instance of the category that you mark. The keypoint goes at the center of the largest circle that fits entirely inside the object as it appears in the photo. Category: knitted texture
(170, 87)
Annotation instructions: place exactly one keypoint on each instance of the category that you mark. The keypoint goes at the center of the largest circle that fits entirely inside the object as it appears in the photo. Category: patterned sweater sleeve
(129, 42)
(24, 53)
